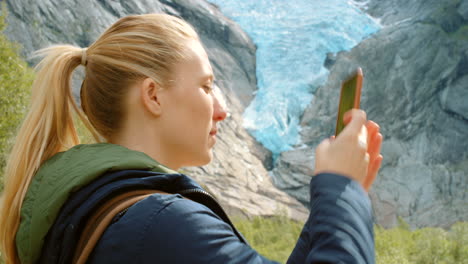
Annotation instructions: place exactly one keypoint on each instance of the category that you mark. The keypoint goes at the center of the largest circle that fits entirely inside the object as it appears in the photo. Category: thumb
(356, 118)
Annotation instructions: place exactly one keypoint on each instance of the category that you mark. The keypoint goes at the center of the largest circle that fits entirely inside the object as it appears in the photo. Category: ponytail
(47, 129)
(152, 43)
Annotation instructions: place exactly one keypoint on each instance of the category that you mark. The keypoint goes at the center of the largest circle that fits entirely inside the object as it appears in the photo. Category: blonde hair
(133, 48)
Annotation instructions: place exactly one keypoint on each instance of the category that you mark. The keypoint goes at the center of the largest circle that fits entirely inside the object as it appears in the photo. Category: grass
(428, 245)
(275, 237)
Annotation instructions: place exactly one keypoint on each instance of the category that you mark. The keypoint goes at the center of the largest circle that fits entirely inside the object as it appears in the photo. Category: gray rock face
(293, 171)
(416, 88)
(237, 176)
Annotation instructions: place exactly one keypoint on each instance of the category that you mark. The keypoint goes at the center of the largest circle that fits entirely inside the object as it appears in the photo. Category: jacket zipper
(188, 191)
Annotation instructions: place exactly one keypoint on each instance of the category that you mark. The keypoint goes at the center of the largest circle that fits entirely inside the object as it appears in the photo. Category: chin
(201, 160)
(207, 158)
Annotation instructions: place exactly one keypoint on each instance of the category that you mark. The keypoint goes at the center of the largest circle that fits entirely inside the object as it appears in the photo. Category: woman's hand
(374, 141)
(355, 153)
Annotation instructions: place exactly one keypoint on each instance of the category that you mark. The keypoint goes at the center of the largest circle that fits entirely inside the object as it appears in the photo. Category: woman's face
(191, 110)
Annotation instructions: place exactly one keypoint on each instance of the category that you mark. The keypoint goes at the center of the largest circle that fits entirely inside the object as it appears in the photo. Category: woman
(148, 96)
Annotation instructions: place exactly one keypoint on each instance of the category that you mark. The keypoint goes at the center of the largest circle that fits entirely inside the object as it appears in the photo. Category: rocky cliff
(416, 88)
(237, 176)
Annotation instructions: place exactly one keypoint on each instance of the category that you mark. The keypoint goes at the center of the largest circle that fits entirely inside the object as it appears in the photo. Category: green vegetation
(15, 84)
(16, 79)
(422, 246)
(275, 237)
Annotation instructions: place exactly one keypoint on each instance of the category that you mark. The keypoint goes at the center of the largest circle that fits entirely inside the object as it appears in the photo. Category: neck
(144, 140)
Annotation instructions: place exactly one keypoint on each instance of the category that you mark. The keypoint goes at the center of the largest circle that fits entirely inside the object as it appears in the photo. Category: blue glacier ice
(293, 38)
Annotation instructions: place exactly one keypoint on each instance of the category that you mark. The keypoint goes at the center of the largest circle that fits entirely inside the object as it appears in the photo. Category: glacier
(292, 38)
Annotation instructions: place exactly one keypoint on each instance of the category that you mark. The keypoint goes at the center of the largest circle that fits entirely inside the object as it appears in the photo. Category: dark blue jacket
(171, 229)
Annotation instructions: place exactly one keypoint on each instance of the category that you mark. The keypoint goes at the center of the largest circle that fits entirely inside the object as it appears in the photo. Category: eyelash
(208, 88)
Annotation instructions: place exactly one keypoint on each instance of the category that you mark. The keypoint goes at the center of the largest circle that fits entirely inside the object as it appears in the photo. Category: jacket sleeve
(340, 226)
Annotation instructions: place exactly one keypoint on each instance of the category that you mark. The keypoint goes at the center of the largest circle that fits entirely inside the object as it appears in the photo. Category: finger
(374, 167)
(374, 146)
(347, 117)
(358, 119)
(372, 128)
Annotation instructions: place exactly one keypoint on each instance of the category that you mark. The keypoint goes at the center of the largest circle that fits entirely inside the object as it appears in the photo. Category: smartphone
(350, 97)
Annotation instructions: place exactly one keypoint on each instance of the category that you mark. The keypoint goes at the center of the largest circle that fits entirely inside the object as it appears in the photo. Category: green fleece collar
(63, 174)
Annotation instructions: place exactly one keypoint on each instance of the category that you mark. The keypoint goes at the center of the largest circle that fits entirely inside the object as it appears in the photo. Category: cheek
(202, 109)
(194, 117)
(191, 114)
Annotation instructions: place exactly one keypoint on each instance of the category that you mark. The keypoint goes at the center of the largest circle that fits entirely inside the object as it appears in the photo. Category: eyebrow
(209, 77)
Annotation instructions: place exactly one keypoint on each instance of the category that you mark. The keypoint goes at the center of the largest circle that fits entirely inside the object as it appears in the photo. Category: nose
(219, 113)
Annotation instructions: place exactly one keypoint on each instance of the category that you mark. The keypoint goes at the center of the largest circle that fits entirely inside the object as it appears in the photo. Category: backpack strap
(101, 219)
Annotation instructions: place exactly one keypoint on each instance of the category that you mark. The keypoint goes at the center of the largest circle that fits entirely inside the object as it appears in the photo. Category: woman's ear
(149, 90)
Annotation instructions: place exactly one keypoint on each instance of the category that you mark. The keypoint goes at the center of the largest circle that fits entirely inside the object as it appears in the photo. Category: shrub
(15, 84)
